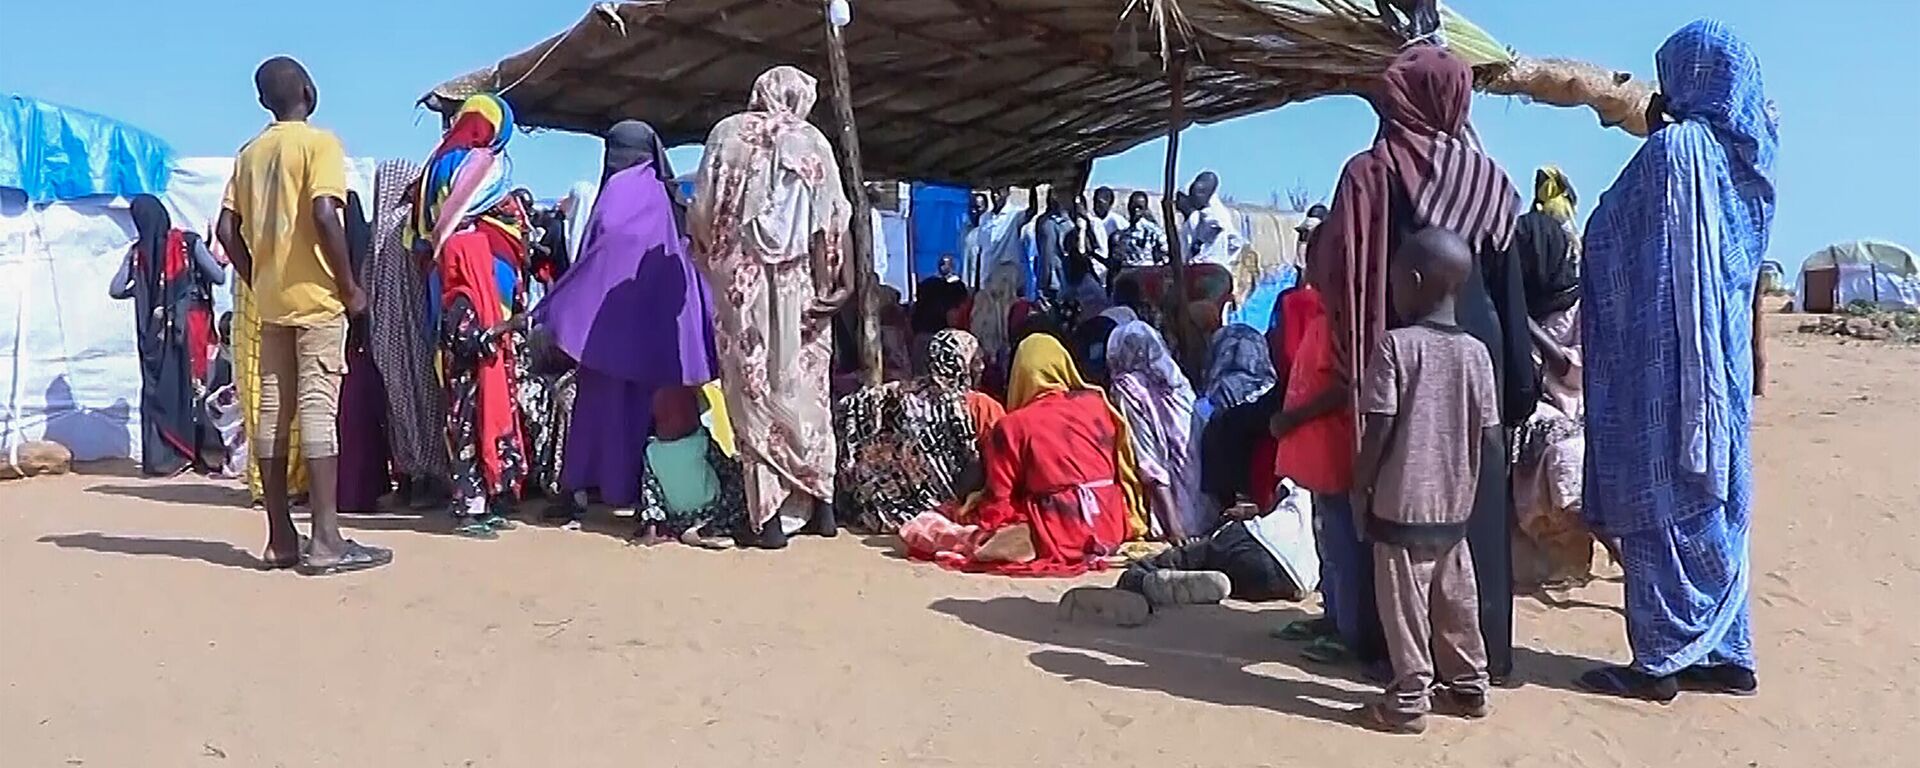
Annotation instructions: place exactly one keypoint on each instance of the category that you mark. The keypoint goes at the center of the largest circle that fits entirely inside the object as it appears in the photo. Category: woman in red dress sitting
(1062, 490)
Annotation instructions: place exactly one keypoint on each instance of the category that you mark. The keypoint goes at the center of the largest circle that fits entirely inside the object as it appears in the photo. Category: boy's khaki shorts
(301, 368)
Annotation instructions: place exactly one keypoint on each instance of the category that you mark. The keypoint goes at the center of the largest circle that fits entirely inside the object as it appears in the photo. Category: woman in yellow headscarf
(1060, 465)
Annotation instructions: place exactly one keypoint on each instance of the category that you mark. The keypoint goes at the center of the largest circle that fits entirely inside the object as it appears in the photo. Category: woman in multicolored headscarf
(465, 181)
(1673, 255)
(913, 446)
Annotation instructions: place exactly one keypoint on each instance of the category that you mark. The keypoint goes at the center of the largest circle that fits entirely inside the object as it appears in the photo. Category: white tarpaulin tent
(71, 372)
(1876, 271)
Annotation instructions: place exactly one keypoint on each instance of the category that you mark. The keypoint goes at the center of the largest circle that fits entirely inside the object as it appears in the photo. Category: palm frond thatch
(981, 91)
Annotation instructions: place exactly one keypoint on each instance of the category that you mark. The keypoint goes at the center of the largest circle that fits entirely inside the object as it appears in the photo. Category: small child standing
(1428, 406)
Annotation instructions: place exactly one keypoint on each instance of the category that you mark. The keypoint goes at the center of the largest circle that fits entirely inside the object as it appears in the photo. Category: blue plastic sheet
(55, 153)
(939, 219)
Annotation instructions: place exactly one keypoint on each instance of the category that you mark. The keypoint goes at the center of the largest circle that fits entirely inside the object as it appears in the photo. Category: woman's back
(1059, 441)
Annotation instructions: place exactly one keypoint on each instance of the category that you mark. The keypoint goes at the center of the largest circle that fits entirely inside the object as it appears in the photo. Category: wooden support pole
(854, 178)
(1176, 319)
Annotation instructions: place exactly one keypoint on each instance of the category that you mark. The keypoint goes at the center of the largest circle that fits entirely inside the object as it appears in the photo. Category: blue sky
(1843, 73)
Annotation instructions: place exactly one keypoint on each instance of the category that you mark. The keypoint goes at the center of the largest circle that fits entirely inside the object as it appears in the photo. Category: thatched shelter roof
(982, 91)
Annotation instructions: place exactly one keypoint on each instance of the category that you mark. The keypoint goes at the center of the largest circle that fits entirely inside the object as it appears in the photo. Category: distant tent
(69, 370)
(1876, 271)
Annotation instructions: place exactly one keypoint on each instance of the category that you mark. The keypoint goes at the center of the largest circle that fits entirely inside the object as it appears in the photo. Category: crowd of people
(1407, 435)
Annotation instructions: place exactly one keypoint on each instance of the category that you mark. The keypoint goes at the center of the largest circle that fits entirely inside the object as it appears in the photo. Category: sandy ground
(134, 632)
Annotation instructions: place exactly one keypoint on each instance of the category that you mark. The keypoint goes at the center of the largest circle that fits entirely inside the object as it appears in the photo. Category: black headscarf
(632, 142)
(359, 237)
(1549, 266)
(150, 225)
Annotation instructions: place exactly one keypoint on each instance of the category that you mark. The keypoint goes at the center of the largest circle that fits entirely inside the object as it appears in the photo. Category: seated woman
(913, 446)
(1230, 419)
(1157, 401)
(1061, 489)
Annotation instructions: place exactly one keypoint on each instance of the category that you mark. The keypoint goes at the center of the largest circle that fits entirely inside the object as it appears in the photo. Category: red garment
(471, 131)
(1318, 454)
(1038, 461)
(466, 269)
(986, 412)
(198, 320)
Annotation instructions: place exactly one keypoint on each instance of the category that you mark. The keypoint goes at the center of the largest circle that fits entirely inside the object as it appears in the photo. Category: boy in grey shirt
(1428, 407)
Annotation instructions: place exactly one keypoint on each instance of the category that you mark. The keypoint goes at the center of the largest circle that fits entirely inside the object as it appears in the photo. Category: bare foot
(648, 536)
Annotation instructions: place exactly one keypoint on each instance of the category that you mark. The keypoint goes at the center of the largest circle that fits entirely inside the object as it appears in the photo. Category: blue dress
(1672, 256)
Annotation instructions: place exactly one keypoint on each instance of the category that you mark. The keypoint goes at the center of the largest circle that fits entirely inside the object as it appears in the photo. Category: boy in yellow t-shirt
(281, 224)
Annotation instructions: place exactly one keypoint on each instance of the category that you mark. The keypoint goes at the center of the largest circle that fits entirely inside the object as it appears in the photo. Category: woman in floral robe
(769, 224)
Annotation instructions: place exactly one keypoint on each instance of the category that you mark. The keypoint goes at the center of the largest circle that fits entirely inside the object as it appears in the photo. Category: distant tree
(1299, 197)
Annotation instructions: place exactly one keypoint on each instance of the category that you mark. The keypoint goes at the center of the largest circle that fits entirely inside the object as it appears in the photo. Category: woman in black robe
(169, 274)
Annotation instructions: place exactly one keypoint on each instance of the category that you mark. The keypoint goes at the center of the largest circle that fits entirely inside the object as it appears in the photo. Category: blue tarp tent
(939, 219)
(49, 152)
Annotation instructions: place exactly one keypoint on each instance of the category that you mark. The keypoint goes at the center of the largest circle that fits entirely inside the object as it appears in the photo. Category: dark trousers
(1256, 575)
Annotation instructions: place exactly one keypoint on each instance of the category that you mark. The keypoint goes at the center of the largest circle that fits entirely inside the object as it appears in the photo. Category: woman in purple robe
(633, 313)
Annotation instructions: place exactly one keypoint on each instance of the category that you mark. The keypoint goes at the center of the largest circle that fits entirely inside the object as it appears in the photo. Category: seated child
(693, 490)
(1428, 413)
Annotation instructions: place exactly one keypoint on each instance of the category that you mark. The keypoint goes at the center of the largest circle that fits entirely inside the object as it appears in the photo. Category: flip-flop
(1326, 650)
(358, 557)
(1627, 683)
(475, 529)
(1304, 630)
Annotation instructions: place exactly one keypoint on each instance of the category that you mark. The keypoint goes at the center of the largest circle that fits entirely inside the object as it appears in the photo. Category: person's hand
(355, 298)
(1362, 503)
(1282, 423)
(1561, 361)
(1242, 512)
(825, 304)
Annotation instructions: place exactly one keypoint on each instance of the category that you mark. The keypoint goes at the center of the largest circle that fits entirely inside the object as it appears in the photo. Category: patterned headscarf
(1151, 391)
(950, 357)
(1239, 367)
(1427, 148)
(468, 173)
(1672, 252)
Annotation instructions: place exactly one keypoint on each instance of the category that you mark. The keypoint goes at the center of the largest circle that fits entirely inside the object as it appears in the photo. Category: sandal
(1326, 649)
(474, 528)
(1628, 683)
(1304, 630)
(1724, 679)
(693, 538)
(1378, 717)
(357, 557)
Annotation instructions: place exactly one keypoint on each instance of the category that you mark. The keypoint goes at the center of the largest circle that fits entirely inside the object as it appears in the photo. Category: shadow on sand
(214, 552)
(1200, 653)
(1204, 653)
(207, 494)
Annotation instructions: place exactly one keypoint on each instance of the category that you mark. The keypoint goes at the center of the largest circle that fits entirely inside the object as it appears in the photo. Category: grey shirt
(1437, 384)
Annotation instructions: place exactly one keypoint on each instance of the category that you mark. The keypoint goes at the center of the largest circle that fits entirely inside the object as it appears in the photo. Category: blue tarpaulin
(54, 153)
(939, 219)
